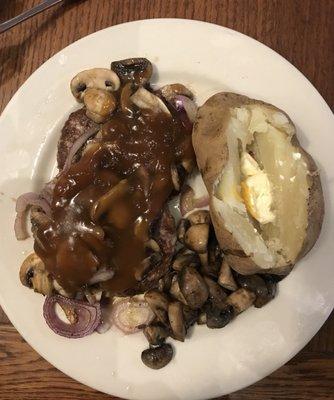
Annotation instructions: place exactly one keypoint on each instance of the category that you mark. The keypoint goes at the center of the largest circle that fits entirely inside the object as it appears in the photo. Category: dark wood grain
(300, 30)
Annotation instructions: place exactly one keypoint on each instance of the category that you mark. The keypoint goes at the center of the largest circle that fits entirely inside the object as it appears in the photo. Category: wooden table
(300, 30)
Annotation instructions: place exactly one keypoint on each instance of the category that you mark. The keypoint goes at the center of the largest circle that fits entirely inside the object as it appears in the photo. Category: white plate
(209, 59)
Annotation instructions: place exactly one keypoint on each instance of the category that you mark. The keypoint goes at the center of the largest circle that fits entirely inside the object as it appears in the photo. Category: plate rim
(154, 20)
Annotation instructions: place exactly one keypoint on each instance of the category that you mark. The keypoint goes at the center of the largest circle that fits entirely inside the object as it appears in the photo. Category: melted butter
(139, 149)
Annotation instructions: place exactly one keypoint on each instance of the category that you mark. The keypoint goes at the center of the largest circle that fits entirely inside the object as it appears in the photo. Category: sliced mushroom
(214, 257)
(211, 259)
(97, 78)
(157, 357)
(175, 177)
(204, 260)
(182, 228)
(187, 198)
(165, 282)
(263, 299)
(149, 102)
(34, 275)
(190, 316)
(240, 300)
(193, 287)
(176, 320)
(147, 265)
(254, 283)
(178, 174)
(207, 269)
(105, 202)
(175, 290)
(125, 102)
(163, 230)
(214, 251)
(196, 238)
(155, 334)
(184, 257)
(158, 303)
(136, 70)
(216, 293)
(199, 217)
(219, 317)
(175, 89)
(201, 320)
(225, 278)
(99, 104)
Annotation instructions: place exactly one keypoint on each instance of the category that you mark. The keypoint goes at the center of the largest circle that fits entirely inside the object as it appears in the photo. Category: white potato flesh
(288, 174)
(267, 133)
(246, 235)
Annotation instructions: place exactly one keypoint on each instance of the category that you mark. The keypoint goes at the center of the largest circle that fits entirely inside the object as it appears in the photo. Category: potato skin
(316, 206)
(210, 145)
(209, 140)
(225, 238)
(246, 266)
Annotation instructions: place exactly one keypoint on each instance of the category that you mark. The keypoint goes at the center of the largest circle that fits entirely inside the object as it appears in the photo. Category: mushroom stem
(99, 104)
(158, 303)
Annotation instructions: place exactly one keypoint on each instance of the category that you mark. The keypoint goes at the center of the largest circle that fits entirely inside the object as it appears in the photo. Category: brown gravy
(103, 205)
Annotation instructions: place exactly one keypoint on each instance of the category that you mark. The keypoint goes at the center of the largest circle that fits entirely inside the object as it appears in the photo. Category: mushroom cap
(136, 70)
(157, 357)
(196, 238)
(34, 275)
(97, 78)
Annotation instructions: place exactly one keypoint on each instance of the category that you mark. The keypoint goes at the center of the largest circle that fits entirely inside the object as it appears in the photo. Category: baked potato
(266, 200)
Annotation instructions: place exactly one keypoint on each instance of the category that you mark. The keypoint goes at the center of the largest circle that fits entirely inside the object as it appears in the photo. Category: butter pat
(248, 165)
(256, 190)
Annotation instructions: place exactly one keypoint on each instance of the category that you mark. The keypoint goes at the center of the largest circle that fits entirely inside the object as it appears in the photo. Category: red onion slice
(88, 317)
(25, 201)
(47, 191)
(77, 146)
(130, 313)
